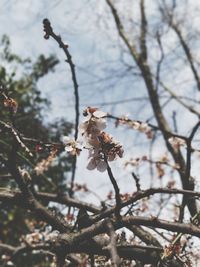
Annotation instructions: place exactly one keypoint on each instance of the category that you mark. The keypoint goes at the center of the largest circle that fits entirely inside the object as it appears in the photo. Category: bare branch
(112, 245)
(142, 194)
(116, 188)
(16, 197)
(49, 32)
(187, 53)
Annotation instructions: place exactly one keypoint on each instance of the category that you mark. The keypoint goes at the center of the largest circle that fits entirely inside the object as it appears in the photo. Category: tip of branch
(47, 28)
(46, 21)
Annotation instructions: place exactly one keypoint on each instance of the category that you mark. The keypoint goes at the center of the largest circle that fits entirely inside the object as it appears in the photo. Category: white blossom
(34, 238)
(176, 142)
(71, 146)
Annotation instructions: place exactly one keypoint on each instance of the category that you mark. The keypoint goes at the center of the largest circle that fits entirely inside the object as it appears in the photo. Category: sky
(104, 69)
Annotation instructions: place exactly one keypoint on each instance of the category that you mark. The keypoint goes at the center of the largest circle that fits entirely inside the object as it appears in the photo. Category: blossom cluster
(159, 164)
(37, 237)
(44, 164)
(176, 142)
(142, 127)
(11, 103)
(101, 145)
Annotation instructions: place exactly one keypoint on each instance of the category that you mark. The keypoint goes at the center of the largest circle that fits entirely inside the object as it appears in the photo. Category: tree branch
(112, 246)
(49, 32)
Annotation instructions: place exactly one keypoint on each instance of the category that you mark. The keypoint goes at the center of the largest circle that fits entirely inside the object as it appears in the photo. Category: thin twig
(158, 69)
(15, 134)
(137, 181)
(143, 194)
(49, 32)
(116, 188)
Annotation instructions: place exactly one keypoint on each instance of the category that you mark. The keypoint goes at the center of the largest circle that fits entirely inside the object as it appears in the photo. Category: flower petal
(101, 166)
(69, 148)
(91, 164)
(99, 114)
(65, 139)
